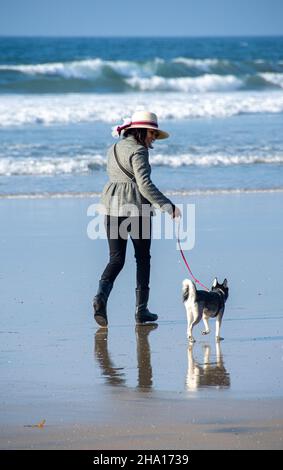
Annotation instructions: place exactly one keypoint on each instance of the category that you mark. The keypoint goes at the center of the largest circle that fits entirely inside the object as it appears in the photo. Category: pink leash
(186, 263)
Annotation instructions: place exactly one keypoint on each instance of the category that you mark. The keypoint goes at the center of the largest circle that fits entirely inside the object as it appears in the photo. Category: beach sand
(134, 387)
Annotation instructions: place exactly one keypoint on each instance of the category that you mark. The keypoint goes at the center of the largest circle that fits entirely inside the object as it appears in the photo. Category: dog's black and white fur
(201, 304)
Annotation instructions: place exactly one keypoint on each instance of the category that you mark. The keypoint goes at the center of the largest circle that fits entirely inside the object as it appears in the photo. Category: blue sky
(145, 18)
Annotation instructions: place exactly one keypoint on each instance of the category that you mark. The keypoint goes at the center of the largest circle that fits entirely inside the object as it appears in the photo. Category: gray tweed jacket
(123, 197)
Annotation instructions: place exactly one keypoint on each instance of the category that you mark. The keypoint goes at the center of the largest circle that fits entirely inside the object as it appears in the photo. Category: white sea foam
(80, 69)
(92, 67)
(214, 160)
(124, 66)
(274, 78)
(53, 166)
(66, 109)
(49, 166)
(84, 69)
(207, 82)
(202, 64)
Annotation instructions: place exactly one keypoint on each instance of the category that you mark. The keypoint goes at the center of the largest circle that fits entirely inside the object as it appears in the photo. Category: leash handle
(186, 262)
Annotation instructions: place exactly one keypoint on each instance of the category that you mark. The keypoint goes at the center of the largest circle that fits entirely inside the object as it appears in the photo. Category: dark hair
(139, 134)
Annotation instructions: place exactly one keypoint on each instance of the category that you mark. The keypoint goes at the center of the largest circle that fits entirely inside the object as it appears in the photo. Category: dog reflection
(209, 373)
(116, 375)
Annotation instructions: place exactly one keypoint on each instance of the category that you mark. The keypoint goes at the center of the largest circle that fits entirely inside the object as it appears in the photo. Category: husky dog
(200, 304)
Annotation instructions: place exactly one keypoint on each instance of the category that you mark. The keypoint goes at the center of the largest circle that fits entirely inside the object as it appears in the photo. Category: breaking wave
(106, 76)
(111, 108)
(89, 163)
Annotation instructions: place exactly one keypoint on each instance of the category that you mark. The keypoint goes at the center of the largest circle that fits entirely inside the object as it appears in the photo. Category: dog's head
(216, 286)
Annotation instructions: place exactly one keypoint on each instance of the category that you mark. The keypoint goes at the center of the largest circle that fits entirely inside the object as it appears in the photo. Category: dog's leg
(190, 320)
(218, 326)
(194, 320)
(205, 321)
(190, 330)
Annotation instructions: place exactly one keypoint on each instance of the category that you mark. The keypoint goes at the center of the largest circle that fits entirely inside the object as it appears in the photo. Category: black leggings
(118, 229)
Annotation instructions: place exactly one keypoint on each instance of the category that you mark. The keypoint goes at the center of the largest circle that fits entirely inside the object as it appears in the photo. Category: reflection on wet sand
(143, 356)
(116, 375)
(209, 373)
(113, 375)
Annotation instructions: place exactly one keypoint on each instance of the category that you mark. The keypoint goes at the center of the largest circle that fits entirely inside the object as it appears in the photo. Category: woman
(129, 197)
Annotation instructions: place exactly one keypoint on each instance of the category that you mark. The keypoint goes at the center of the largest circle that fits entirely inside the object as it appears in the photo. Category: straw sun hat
(140, 119)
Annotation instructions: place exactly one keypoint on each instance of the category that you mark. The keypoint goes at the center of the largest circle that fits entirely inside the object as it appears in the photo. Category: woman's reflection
(143, 356)
(115, 375)
(209, 373)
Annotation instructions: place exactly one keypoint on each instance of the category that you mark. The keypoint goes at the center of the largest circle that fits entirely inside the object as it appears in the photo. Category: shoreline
(82, 195)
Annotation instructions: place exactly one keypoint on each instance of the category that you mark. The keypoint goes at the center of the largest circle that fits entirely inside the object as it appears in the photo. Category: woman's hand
(176, 213)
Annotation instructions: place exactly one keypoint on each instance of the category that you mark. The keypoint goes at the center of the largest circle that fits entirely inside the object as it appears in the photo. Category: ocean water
(220, 99)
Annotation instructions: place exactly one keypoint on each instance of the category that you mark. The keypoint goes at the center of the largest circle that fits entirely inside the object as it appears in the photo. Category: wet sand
(156, 421)
(140, 387)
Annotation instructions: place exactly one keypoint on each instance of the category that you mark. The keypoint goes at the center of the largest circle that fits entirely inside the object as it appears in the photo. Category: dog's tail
(189, 290)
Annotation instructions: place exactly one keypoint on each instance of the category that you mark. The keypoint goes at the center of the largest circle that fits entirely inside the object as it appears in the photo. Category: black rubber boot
(100, 302)
(143, 315)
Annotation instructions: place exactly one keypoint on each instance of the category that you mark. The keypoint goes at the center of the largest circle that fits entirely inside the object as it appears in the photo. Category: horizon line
(210, 36)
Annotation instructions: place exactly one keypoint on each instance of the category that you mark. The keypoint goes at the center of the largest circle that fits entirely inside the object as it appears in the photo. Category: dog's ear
(225, 282)
(215, 282)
